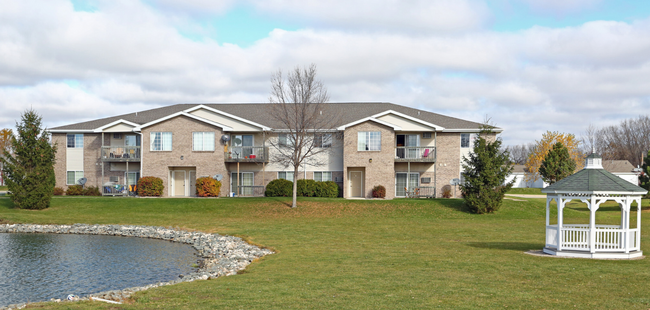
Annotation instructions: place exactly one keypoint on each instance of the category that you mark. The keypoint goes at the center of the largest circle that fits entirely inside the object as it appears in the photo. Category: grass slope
(334, 253)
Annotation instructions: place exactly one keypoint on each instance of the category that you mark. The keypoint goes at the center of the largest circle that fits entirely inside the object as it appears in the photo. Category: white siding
(119, 128)
(406, 124)
(220, 119)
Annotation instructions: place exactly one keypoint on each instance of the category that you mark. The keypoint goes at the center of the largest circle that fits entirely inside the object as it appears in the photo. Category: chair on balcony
(426, 153)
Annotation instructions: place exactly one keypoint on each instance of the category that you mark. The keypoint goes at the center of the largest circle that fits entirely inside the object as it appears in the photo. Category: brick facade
(206, 163)
(381, 171)
(448, 160)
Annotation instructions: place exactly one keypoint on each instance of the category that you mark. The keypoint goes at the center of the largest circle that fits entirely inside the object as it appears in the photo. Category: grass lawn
(400, 254)
(527, 191)
(3, 188)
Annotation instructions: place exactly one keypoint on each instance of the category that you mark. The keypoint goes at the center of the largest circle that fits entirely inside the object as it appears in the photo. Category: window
(203, 141)
(242, 185)
(76, 141)
(132, 140)
(464, 140)
(117, 136)
(161, 141)
(287, 175)
(132, 177)
(73, 177)
(323, 140)
(401, 180)
(369, 141)
(286, 140)
(426, 135)
(322, 176)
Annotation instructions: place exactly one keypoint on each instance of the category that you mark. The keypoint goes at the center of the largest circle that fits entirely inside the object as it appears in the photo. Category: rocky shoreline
(220, 255)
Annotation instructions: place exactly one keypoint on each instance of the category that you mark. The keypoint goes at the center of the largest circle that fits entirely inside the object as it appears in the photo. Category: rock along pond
(37, 267)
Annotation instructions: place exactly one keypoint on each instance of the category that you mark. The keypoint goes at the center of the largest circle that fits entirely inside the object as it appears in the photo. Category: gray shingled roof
(593, 180)
(614, 166)
(343, 113)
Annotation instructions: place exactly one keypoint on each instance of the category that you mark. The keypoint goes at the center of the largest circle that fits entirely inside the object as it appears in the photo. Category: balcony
(247, 154)
(425, 154)
(121, 153)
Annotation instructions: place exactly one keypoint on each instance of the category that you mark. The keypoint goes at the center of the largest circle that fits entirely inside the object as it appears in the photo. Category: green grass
(3, 188)
(400, 254)
(527, 191)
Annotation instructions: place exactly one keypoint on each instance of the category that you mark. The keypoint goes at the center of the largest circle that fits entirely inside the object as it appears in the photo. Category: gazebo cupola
(594, 185)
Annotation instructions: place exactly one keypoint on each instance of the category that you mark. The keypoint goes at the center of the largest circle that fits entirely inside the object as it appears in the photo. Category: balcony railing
(119, 190)
(256, 154)
(415, 154)
(121, 153)
(249, 191)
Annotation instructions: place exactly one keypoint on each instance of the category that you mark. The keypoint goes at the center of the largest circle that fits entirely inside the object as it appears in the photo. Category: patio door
(242, 185)
(400, 182)
(405, 141)
(242, 145)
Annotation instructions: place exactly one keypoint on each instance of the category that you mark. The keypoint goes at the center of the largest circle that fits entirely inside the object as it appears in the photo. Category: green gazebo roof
(594, 179)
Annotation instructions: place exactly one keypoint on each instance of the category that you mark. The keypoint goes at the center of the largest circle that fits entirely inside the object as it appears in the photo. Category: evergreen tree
(557, 164)
(29, 171)
(485, 172)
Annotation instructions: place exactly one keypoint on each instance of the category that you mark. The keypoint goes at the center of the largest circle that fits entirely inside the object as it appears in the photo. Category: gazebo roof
(593, 179)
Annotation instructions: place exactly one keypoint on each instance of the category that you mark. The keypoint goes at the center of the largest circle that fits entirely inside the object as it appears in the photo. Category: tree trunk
(295, 187)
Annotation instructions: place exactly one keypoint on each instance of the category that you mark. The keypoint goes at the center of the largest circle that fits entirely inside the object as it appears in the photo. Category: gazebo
(594, 185)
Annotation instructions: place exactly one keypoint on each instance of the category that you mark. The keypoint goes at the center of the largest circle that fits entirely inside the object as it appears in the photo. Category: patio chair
(426, 153)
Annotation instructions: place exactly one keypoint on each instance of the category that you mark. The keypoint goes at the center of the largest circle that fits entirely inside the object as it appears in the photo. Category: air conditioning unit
(425, 180)
(114, 179)
(338, 179)
(426, 135)
(117, 136)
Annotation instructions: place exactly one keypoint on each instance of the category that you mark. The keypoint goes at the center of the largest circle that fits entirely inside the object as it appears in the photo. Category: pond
(37, 267)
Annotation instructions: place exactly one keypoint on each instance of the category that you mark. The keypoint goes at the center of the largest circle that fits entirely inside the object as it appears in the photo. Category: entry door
(192, 183)
(356, 185)
(179, 182)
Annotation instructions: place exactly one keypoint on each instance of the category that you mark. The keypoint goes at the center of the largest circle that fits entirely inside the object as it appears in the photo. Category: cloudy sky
(530, 65)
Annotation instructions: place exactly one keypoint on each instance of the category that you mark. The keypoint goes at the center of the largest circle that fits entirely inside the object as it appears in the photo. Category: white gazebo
(594, 185)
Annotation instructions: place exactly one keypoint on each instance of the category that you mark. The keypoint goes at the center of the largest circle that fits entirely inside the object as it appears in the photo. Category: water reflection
(37, 267)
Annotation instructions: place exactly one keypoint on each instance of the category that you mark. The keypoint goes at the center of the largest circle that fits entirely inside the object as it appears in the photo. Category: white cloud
(128, 56)
(562, 7)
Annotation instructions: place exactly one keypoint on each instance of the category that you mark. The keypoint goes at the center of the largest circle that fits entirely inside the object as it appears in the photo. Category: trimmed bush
(446, 191)
(58, 191)
(150, 186)
(91, 191)
(327, 189)
(379, 191)
(74, 190)
(279, 188)
(307, 188)
(207, 187)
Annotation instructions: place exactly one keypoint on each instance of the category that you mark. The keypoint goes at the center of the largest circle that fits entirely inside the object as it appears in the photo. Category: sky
(530, 66)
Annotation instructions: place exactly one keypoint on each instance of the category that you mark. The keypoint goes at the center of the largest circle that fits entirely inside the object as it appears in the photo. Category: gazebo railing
(608, 238)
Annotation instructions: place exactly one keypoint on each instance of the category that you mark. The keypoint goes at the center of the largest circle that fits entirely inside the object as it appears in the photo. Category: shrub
(307, 188)
(91, 191)
(207, 187)
(446, 191)
(58, 191)
(150, 186)
(327, 189)
(74, 190)
(279, 188)
(379, 191)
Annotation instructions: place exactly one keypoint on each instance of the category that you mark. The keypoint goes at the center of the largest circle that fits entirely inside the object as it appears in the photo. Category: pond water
(37, 267)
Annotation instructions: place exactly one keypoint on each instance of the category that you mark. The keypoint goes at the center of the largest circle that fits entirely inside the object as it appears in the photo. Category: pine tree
(29, 171)
(485, 172)
(557, 164)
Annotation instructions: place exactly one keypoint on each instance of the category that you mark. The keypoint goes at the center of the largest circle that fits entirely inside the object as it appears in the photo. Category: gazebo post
(626, 228)
(548, 203)
(560, 208)
(638, 224)
(592, 224)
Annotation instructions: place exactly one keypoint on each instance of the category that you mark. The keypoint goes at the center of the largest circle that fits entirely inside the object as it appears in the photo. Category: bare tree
(630, 140)
(299, 105)
(519, 153)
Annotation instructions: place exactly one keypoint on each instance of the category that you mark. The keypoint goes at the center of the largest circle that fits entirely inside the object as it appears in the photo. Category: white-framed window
(322, 176)
(286, 140)
(161, 141)
(242, 184)
(401, 182)
(323, 140)
(369, 141)
(203, 141)
(287, 175)
(75, 140)
(464, 140)
(132, 177)
(73, 177)
(132, 140)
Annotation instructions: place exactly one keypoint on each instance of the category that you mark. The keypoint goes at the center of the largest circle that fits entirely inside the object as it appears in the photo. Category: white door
(178, 176)
(356, 184)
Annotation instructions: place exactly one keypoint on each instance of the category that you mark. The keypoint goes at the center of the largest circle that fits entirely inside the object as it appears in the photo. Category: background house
(620, 168)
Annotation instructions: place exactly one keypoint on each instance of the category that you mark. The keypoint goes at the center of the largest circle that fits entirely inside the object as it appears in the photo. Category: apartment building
(404, 149)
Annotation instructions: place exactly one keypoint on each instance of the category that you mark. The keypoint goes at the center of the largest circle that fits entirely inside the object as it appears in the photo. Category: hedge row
(306, 188)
